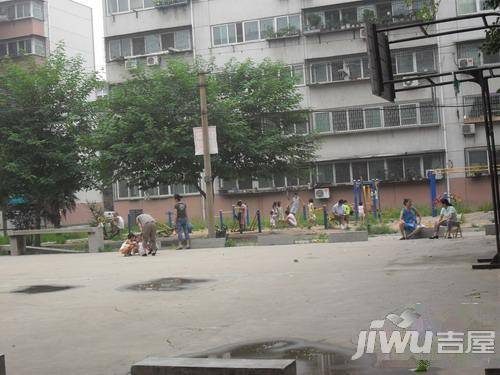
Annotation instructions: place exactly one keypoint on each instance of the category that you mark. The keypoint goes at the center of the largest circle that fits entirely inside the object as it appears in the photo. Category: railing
(474, 110)
(169, 3)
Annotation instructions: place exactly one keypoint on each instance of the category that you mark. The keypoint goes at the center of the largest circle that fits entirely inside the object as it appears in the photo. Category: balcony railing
(354, 17)
(474, 110)
(169, 3)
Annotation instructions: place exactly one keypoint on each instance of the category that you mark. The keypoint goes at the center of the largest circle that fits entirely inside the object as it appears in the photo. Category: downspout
(193, 32)
(443, 119)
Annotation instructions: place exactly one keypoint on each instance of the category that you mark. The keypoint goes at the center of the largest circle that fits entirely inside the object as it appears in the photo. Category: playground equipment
(437, 174)
(368, 193)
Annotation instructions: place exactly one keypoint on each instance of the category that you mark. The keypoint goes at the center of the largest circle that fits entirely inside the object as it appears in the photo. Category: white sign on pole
(212, 140)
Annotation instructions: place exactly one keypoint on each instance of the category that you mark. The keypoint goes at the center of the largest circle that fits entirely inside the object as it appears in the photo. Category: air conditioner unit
(323, 193)
(466, 62)
(469, 129)
(153, 60)
(362, 33)
(131, 64)
(410, 83)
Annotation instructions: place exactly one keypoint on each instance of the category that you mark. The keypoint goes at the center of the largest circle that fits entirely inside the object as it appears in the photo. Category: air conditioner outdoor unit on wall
(469, 129)
(153, 60)
(410, 83)
(323, 193)
(466, 62)
(131, 64)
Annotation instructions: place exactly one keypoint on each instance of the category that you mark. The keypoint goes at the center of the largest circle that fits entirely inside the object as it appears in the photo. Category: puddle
(35, 289)
(312, 358)
(170, 284)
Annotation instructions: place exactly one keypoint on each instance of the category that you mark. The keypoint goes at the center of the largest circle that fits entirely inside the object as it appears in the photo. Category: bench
(18, 237)
(214, 366)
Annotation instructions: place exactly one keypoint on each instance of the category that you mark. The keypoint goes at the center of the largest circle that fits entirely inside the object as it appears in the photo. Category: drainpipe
(443, 119)
(193, 33)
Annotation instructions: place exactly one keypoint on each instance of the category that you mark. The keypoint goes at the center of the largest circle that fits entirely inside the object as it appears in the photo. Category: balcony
(474, 110)
(335, 19)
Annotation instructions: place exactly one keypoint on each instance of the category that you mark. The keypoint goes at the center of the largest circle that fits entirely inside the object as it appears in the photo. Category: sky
(98, 32)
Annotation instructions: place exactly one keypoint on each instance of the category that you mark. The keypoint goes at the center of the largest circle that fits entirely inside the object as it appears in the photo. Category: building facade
(35, 28)
(323, 42)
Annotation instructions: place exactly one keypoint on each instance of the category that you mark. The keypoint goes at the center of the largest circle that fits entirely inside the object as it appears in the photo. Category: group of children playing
(341, 211)
(133, 245)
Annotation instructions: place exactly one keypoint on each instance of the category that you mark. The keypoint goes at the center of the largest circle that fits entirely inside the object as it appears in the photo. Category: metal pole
(432, 182)
(169, 213)
(221, 219)
(259, 221)
(490, 141)
(206, 157)
(325, 217)
(129, 223)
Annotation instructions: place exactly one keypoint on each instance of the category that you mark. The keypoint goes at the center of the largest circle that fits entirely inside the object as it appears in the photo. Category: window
(167, 41)
(408, 114)
(3, 50)
(39, 48)
(471, 6)
(342, 173)
(395, 169)
(251, 30)
(428, 113)
(408, 61)
(360, 170)
(325, 173)
(136, 4)
(23, 47)
(114, 49)
(267, 27)
(412, 168)
(265, 182)
(164, 189)
(432, 161)
(182, 40)
(356, 119)
(37, 10)
(255, 30)
(349, 16)
(391, 116)
(339, 119)
(152, 43)
(376, 169)
(297, 72)
(322, 122)
(138, 47)
(117, 6)
(320, 73)
(473, 51)
(353, 68)
(477, 158)
(122, 189)
(373, 118)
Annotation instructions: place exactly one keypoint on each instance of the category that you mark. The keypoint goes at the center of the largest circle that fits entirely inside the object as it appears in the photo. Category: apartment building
(323, 41)
(34, 28)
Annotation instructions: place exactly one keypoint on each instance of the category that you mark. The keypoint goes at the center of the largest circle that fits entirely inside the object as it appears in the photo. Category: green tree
(44, 112)
(146, 138)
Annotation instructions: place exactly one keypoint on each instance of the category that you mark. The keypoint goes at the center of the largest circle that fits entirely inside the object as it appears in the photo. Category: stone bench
(2, 365)
(18, 237)
(489, 229)
(213, 366)
(348, 236)
(207, 243)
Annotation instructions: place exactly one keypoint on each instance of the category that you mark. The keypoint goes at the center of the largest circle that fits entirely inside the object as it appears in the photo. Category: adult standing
(118, 224)
(147, 224)
(181, 222)
(295, 205)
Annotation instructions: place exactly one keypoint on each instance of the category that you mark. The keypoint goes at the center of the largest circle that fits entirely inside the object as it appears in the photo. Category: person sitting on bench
(409, 220)
(447, 218)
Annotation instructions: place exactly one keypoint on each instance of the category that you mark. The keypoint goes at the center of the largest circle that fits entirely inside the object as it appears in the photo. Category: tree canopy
(145, 136)
(44, 113)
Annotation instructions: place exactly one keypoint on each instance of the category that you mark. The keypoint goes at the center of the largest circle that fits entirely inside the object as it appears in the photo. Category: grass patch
(4, 240)
(378, 229)
(107, 249)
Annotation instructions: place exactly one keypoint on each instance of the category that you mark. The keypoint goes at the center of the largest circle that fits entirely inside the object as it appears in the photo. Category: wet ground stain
(169, 284)
(312, 358)
(36, 289)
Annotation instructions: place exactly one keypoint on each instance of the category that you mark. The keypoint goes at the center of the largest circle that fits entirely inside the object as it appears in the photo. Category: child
(347, 211)
(361, 213)
(290, 219)
(272, 219)
(311, 213)
(128, 246)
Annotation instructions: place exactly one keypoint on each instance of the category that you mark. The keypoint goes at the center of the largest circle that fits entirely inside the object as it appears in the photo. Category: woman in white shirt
(447, 217)
(290, 219)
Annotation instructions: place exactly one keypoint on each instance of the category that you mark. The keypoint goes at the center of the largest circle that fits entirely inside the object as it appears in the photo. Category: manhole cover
(169, 284)
(34, 289)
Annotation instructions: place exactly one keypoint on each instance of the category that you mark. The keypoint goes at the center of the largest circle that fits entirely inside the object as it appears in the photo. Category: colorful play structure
(368, 192)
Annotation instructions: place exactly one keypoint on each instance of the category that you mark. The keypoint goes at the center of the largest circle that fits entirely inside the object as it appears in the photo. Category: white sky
(98, 32)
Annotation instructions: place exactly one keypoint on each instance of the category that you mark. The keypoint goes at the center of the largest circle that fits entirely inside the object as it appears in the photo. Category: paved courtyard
(322, 293)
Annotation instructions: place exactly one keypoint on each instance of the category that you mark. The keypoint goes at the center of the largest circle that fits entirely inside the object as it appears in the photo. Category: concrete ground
(323, 293)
